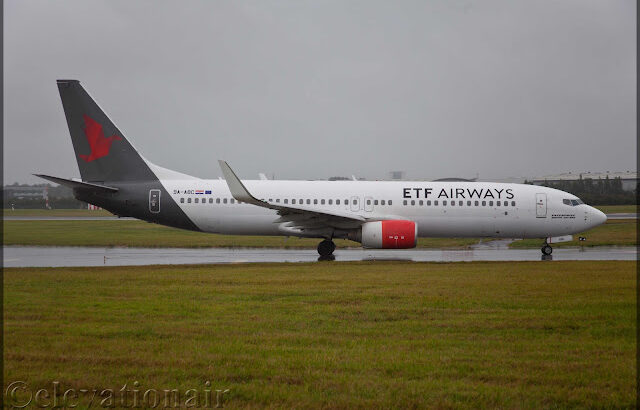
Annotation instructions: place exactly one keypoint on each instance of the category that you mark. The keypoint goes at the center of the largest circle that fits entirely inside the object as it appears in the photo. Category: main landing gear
(546, 249)
(326, 248)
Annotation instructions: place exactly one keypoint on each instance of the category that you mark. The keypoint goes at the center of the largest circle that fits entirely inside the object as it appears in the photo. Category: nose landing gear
(326, 248)
(546, 249)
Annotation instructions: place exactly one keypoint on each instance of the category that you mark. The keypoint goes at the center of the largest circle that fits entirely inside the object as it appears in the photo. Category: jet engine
(394, 234)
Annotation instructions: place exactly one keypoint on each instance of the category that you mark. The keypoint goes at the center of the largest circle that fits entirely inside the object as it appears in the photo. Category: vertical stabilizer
(102, 151)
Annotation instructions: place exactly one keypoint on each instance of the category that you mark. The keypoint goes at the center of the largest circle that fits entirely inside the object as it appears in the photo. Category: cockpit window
(572, 202)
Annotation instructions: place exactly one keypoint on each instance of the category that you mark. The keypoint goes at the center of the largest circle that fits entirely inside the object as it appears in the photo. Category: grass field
(618, 209)
(620, 232)
(142, 234)
(56, 212)
(615, 232)
(336, 335)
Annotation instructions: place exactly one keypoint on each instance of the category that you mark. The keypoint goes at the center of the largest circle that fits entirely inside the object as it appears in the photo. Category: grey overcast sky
(312, 89)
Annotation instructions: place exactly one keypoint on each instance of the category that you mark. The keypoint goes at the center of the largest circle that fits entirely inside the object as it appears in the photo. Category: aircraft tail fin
(102, 151)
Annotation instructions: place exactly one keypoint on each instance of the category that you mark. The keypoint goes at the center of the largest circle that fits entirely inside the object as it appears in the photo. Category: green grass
(337, 335)
(143, 234)
(618, 209)
(615, 232)
(56, 212)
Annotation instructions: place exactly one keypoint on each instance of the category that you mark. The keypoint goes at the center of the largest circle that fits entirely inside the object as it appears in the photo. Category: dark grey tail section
(115, 177)
(102, 151)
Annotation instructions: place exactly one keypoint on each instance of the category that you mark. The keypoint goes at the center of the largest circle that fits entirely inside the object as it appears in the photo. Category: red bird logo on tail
(99, 144)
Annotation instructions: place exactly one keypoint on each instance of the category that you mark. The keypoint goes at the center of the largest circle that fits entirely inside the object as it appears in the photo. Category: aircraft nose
(597, 216)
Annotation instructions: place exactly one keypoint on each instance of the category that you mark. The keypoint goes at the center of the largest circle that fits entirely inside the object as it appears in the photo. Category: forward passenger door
(541, 205)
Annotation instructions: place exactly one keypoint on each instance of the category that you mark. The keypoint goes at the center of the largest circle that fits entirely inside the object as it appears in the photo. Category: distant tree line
(607, 191)
(60, 197)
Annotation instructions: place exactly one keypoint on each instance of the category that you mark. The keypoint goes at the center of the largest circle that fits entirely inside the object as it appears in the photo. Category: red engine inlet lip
(392, 234)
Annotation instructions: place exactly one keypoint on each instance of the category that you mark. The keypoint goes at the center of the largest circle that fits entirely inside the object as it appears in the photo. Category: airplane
(377, 214)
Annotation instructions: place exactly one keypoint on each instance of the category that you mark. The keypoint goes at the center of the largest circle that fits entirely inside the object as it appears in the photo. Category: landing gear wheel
(546, 249)
(326, 247)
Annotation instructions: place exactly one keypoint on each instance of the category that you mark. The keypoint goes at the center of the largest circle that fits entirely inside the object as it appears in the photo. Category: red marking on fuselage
(99, 144)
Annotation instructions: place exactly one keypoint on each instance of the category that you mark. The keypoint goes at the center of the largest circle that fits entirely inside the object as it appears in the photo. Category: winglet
(237, 188)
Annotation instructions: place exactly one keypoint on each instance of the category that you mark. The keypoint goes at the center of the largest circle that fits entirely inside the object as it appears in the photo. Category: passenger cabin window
(331, 202)
(210, 200)
(484, 203)
(497, 203)
(490, 203)
(315, 202)
(475, 203)
(182, 200)
(435, 203)
(293, 201)
(444, 202)
(421, 202)
(382, 201)
(429, 203)
(322, 202)
(286, 201)
(308, 202)
(389, 202)
(453, 203)
(346, 202)
(224, 200)
(506, 203)
(337, 202)
(413, 202)
(217, 200)
(233, 201)
(460, 203)
(513, 203)
(404, 202)
(196, 200)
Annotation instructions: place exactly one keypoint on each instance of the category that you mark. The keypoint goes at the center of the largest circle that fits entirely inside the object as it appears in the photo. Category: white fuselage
(440, 209)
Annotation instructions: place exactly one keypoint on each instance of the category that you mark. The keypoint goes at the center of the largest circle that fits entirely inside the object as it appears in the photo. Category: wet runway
(622, 216)
(32, 256)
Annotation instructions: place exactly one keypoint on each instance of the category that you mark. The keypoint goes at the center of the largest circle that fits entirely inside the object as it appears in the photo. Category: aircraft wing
(296, 217)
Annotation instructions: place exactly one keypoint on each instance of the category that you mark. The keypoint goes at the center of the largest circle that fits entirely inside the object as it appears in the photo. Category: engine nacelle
(394, 234)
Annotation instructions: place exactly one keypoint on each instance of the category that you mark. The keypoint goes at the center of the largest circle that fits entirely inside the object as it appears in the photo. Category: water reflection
(26, 256)
(326, 258)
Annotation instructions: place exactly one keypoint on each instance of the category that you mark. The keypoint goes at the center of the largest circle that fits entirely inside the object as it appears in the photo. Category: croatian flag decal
(199, 192)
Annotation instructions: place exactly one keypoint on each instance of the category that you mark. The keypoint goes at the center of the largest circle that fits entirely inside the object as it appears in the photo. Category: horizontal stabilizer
(77, 184)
